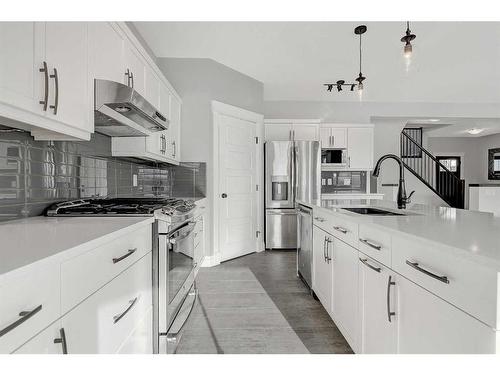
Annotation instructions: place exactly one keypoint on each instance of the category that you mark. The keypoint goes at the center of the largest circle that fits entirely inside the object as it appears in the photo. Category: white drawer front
(341, 228)
(375, 243)
(465, 284)
(34, 292)
(100, 265)
(95, 325)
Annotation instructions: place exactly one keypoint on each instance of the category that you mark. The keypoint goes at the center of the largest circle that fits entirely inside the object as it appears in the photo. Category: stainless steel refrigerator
(292, 171)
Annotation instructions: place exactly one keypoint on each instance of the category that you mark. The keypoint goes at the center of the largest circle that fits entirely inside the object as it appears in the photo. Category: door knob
(224, 195)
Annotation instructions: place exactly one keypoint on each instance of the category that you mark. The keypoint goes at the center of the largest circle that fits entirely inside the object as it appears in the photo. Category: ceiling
(453, 62)
(448, 126)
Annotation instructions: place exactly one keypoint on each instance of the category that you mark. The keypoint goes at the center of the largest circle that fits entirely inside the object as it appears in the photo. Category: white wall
(198, 82)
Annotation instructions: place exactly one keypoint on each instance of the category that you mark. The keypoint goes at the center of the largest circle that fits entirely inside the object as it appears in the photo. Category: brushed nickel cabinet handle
(118, 317)
(56, 96)
(25, 315)
(127, 74)
(324, 248)
(129, 253)
(328, 257)
(340, 229)
(132, 79)
(175, 148)
(45, 72)
(389, 312)
(371, 244)
(62, 340)
(416, 266)
(365, 262)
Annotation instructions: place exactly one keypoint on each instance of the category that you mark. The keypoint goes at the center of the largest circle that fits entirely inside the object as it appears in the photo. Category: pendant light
(360, 30)
(407, 39)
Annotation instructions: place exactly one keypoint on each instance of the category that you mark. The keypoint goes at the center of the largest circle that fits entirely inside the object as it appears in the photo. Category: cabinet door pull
(56, 96)
(371, 244)
(25, 315)
(328, 257)
(443, 279)
(175, 149)
(62, 340)
(333, 140)
(118, 317)
(127, 73)
(340, 229)
(324, 248)
(389, 312)
(45, 72)
(132, 79)
(320, 219)
(365, 262)
(129, 253)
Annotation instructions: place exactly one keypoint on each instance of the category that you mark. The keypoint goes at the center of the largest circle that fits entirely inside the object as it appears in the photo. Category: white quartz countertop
(473, 234)
(24, 242)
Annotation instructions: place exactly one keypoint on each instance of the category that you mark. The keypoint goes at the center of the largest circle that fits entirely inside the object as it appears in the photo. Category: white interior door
(237, 182)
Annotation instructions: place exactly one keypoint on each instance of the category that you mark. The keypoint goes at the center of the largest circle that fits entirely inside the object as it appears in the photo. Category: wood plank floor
(256, 304)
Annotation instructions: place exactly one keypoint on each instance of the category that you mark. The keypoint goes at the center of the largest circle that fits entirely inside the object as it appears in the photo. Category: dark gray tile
(236, 300)
(234, 286)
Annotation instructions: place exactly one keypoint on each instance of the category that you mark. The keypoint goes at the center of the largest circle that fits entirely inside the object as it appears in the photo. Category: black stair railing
(425, 167)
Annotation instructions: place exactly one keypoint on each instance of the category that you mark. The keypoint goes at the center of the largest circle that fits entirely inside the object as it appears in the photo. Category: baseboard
(211, 261)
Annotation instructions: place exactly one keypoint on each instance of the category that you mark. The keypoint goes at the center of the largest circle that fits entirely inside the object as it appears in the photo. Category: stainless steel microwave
(334, 157)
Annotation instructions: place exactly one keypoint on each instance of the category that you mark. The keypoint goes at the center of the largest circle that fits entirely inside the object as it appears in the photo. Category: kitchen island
(420, 280)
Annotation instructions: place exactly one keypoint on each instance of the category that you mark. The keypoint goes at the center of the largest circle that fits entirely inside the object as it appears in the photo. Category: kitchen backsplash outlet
(34, 174)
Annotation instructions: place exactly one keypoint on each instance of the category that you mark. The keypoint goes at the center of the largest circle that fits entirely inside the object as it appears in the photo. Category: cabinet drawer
(43, 343)
(30, 301)
(100, 265)
(102, 323)
(463, 283)
(375, 243)
(344, 230)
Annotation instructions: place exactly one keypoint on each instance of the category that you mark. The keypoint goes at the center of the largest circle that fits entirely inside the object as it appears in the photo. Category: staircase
(423, 165)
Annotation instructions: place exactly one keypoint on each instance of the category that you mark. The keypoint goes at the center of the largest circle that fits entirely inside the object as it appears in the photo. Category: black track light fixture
(358, 30)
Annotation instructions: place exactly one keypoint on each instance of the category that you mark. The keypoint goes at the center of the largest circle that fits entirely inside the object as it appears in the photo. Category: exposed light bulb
(408, 50)
(360, 91)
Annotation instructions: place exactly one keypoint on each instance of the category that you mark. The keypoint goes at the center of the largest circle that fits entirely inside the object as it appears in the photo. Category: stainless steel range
(174, 265)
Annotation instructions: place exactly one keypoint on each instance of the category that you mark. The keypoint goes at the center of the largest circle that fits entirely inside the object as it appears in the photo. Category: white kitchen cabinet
(44, 79)
(140, 341)
(377, 335)
(19, 75)
(135, 69)
(427, 324)
(66, 53)
(360, 148)
(345, 290)
(174, 130)
(104, 321)
(333, 137)
(322, 268)
(106, 58)
(49, 341)
(152, 87)
(305, 132)
(290, 130)
(278, 132)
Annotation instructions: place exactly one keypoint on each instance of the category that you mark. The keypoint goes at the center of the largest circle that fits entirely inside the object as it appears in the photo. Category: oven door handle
(183, 233)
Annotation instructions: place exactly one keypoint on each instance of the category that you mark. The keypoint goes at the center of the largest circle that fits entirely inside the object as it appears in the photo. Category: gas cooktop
(122, 207)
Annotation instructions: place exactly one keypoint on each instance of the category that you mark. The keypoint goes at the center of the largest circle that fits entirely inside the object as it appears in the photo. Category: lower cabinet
(428, 324)
(49, 341)
(322, 267)
(139, 341)
(378, 327)
(104, 321)
(345, 290)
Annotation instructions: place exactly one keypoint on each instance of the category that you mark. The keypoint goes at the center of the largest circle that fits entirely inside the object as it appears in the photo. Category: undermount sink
(372, 211)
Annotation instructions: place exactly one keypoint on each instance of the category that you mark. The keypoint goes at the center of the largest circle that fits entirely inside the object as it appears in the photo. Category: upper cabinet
(43, 78)
(360, 148)
(106, 59)
(47, 72)
(333, 136)
(291, 130)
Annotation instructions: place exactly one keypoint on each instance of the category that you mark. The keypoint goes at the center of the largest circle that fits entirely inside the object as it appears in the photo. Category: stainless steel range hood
(120, 111)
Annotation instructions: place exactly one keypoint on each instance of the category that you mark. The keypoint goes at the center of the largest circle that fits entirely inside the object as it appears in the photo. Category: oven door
(176, 271)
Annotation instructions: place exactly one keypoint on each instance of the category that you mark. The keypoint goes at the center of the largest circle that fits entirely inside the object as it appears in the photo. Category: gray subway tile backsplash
(35, 174)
